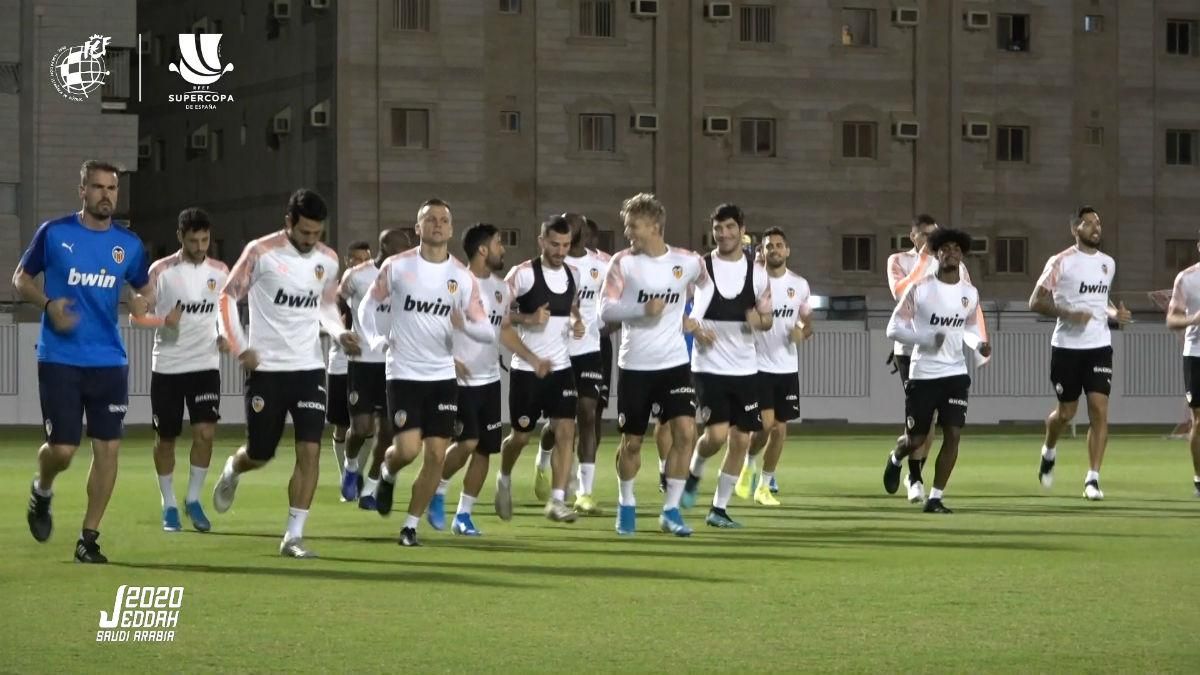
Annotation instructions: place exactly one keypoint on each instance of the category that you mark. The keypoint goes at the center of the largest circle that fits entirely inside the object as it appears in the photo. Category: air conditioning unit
(644, 122)
(144, 42)
(318, 4)
(201, 25)
(198, 140)
(281, 124)
(318, 115)
(977, 20)
(976, 130)
(906, 16)
(906, 131)
(717, 124)
(145, 148)
(718, 11)
(979, 245)
(643, 9)
(281, 9)
(901, 242)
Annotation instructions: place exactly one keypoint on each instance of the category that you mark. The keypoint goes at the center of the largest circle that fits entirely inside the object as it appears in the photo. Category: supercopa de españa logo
(142, 614)
(200, 66)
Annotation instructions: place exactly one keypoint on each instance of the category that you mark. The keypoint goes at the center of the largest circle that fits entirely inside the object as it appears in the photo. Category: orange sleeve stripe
(914, 276)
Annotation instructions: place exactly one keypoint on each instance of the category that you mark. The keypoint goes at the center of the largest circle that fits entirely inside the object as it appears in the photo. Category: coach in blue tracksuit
(85, 260)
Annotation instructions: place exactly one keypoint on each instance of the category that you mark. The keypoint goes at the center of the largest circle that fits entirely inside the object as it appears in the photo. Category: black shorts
(199, 390)
(531, 398)
(606, 368)
(1191, 380)
(67, 392)
(728, 399)
(271, 397)
(1076, 370)
(640, 391)
(903, 362)
(431, 406)
(946, 396)
(589, 375)
(367, 385)
(338, 413)
(479, 416)
(780, 392)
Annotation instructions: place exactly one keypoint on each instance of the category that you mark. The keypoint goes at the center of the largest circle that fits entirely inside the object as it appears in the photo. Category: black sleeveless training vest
(730, 309)
(540, 294)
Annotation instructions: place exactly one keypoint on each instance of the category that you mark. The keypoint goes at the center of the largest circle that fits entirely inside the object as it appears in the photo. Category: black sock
(914, 470)
(90, 536)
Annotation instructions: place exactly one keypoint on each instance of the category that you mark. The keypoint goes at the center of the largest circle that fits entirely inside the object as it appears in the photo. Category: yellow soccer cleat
(763, 496)
(745, 483)
(585, 505)
(541, 484)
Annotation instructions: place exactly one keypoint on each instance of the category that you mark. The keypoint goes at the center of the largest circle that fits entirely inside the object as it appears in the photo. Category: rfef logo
(76, 71)
(147, 609)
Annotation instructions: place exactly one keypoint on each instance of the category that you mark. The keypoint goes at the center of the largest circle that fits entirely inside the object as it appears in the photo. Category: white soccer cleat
(295, 548)
(916, 492)
(226, 488)
(1092, 491)
(559, 512)
(503, 501)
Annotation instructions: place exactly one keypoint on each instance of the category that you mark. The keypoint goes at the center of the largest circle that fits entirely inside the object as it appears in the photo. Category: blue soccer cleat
(350, 485)
(464, 526)
(688, 499)
(170, 520)
(366, 502)
(436, 513)
(626, 520)
(671, 522)
(196, 515)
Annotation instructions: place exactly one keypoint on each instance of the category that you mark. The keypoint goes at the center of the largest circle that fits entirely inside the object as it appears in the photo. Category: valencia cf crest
(499, 297)
(212, 284)
(452, 286)
(964, 301)
(1103, 267)
(118, 254)
(677, 271)
(319, 270)
(595, 273)
(257, 404)
(791, 293)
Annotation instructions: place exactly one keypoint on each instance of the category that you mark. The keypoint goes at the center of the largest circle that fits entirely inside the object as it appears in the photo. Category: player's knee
(61, 454)
(363, 426)
(308, 454)
(1066, 412)
(202, 433)
(165, 446)
(631, 444)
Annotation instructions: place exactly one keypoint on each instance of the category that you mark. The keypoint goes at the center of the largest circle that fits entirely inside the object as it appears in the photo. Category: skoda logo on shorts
(256, 404)
(910, 422)
(400, 418)
(523, 421)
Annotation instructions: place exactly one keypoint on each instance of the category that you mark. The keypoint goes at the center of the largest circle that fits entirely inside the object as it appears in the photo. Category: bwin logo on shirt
(436, 308)
(204, 307)
(670, 297)
(949, 321)
(290, 300)
(784, 312)
(101, 280)
(1093, 288)
(587, 293)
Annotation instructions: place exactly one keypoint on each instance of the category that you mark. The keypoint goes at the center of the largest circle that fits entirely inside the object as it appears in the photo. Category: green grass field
(841, 577)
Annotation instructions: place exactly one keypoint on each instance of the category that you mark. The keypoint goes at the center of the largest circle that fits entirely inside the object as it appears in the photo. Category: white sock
(674, 492)
(626, 498)
(386, 474)
(503, 481)
(662, 466)
(558, 495)
(935, 494)
(697, 467)
(1196, 479)
(893, 460)
(295, 524)
(339, 452)
(1048, 453)
(352, 464)
(1092, 475)
(587, 478)
(196, 477)
(751, 463)
(765, 481)
(166, 488)
(725, 483)
(50, 493)
(543, 459)
(465, 503)
(443, 485)
(369, 486)
(411, 522)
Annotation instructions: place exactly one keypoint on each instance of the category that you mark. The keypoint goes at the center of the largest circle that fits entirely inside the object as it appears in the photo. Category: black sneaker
(38, 515)
(408, 537)
(662, 482)
(1046, 473)
(383, 497)
(891, 476)
(936, 506)
(87, 550)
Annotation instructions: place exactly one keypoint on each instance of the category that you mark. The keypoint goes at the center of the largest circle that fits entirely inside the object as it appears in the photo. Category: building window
(858, 27)
(410, 15)
(510, 237)
(858, 252)
(757, 24)
(159, 158)
(758, 137)
(1094, 136)
(216, 145)
(510, 121)
(858, 140)
(1181, 254)
(1093, 23)
(1180, 36)
(1012, 32)
(596, 18)
(1012, 144)
(510, 6)
(1010, 255)
(410, 128)
(596, 133)
(1181, 146)
(114, 95)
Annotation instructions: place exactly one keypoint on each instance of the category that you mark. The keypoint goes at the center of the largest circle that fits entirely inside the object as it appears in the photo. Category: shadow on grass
(304, 569)
(572, 571)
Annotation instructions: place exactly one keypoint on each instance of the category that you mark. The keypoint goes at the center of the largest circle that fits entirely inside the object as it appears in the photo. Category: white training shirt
(292, 296)
(482, 360)
(355, 286)
(550, 340)
(733, 351)
(651, 343)
(190, 346)
(1185, 295)
(927, 308)
(906, 268)
(774, 348)
(1080, 281)
(590, 270)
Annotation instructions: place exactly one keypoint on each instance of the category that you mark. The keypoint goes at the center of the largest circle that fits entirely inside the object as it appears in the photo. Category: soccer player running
(644, 290)
(546, 314)
(778, 367)
(933, 315)
(1074, 288)
(478, 425)
(366, 390)
(337, 370)
(185, 364)
(429, 291)
(82, 364)
(1183, 313)
(291, 280)
(724, 364)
